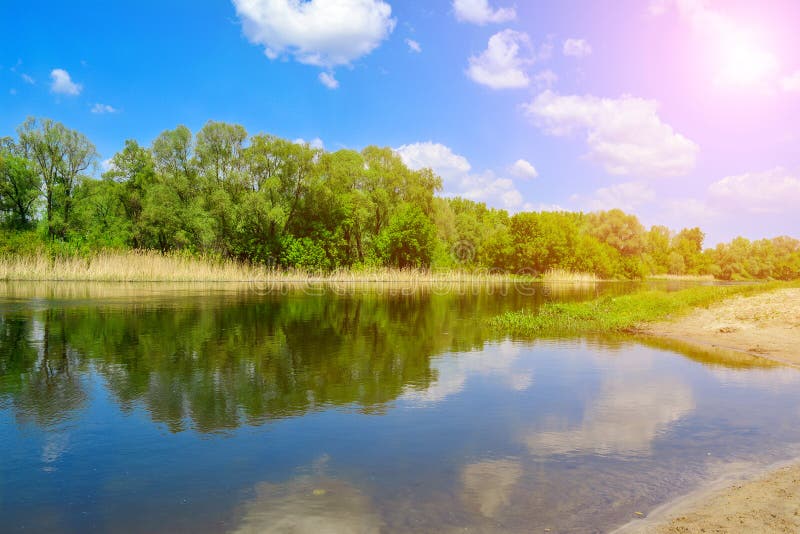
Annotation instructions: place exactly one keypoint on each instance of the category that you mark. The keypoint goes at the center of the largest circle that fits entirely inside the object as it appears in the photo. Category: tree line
(263, 199)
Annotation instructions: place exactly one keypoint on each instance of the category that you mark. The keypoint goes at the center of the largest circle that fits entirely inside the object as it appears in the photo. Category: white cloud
(314, 143)
(455, 170)
(103, 108)
(543, 207)
(107, 165)
(772, 191)
(28, 79)
(791, 83)
(12, 92)
(325, 33)
(523, 169)
(413, 46)
(480, 12)
(328, 80)
(435, 156)
(686, 212)
(500, 66)
(577, 48)
(625, 135)
(545, 79)
(626, 196)
(63, 84)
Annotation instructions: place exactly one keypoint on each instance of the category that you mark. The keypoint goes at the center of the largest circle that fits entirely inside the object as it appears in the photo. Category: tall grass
(619, 314)
(562, 275)
(150, 266)
(683, 277)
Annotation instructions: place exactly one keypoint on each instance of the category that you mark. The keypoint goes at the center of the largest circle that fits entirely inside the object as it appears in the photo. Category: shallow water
(147, 409)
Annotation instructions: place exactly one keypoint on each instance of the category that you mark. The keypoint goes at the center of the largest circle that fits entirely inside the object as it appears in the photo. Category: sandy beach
(768, 326)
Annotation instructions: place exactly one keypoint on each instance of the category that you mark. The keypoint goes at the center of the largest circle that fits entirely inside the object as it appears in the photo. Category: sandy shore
(768, 326)
(769, 503)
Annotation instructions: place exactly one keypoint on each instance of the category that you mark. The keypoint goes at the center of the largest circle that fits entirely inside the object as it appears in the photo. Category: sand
(769, 503)
(768, 326)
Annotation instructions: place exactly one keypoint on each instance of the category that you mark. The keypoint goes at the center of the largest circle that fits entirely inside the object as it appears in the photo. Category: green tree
(60, 155)
(19, 190)
(408, 239)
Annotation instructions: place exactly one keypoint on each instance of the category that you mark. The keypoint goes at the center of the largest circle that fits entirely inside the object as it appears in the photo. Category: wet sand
(764, 504)
(767, 326)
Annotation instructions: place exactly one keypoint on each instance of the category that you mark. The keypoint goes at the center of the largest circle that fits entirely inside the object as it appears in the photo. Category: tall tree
(60, 155)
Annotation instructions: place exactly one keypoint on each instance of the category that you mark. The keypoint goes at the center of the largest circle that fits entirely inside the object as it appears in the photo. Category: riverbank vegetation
(154, 266)
(622, 313)
(258, 203)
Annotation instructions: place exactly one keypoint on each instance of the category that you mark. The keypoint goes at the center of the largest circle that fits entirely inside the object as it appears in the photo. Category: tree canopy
(259, 198)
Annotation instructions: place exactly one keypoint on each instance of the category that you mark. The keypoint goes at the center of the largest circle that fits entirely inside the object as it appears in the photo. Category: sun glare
(744, 61)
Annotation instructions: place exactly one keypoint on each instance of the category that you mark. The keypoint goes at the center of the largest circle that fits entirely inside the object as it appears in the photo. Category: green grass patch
(620, 314)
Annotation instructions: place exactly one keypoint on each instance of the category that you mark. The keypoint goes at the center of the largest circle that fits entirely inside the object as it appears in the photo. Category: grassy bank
(149, 266)
(619, 314)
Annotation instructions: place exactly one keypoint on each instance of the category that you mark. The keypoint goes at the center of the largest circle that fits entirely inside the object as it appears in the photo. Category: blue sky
(681, 111)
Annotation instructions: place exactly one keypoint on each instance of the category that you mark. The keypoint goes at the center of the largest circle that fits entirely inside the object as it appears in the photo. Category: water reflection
(635, 405)
(309, 504)
(488, 485)
(453, 371)
(364, 412)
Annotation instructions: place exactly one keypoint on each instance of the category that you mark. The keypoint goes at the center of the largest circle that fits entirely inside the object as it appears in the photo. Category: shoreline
(745, 498)
(726, 502)
(765, 326)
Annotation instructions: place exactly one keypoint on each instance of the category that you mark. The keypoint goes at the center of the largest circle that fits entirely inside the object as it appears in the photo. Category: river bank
(768, 326)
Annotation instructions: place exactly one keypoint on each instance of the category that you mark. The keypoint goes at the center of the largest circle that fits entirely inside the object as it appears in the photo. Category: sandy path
(765, 325)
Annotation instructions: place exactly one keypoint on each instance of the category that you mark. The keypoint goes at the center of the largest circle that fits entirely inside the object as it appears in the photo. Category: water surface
(145, 409)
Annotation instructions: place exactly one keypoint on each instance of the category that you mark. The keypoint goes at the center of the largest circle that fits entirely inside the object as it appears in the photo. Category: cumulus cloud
(314, 143)
(481, 13)
(523, 169)
(545, 79)
(625, 134)
(772, 191)
(576, 48)
(103, 108)
(501, 65)
(107, 165)
(328, 80)
(413, 46)
(61, 83)
(458, 180)
(324, 33)
(626, 196)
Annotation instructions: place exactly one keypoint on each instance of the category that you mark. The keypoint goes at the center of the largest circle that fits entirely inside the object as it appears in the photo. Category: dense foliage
(262, 199)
